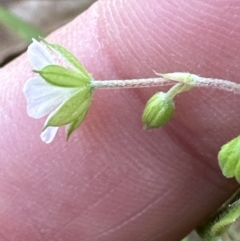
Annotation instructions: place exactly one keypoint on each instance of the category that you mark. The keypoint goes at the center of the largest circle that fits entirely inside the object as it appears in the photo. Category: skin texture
(113, 180)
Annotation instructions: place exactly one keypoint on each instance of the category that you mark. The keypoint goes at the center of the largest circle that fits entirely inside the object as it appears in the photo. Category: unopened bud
(158, 111)
(229, 157)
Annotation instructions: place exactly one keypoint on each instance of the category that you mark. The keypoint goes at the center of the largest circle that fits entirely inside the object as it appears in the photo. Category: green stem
(218, 225)
(177, 89)
(19, 26)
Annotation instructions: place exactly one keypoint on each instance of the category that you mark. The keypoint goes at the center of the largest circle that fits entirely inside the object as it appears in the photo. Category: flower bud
(158, 111)
(229, 158)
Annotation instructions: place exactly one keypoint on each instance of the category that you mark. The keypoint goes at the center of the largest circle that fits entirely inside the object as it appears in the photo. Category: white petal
(48, 135)
(39, 56)
(42, 98)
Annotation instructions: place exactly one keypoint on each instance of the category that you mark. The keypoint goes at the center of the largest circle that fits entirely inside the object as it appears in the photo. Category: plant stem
(197, 82)
(177, 89)
(132, 83)
(228, 211)
(217, 84)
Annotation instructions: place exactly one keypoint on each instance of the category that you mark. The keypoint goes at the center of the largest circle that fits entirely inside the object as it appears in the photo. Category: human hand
(113, 180)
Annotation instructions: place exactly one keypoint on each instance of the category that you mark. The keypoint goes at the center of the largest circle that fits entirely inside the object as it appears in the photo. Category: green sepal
(75, 124)
(70, 58)
(70, 110)
(229, 159)
(63, 77)
(158, 111)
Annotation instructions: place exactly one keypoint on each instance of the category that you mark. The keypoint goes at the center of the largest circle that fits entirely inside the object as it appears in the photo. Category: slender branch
(197, 82)
(217, 84)
(132, 83)
(177, 89)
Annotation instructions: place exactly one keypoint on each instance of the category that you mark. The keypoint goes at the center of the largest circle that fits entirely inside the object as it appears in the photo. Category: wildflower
(63, 93)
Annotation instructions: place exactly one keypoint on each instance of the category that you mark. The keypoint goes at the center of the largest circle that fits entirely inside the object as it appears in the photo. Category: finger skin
(113, 180)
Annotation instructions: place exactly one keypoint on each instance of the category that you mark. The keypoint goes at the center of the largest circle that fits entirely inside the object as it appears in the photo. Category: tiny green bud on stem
(229, 157)
(160, 107)
(158, 111)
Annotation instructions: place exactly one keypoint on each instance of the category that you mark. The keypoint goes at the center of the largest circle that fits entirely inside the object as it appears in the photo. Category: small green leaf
(63, 77)
(70, 58)
(229, 159)
(71, 109)
(158, 111)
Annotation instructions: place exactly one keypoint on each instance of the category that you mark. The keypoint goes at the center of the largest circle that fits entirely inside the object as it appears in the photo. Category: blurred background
(20, 20)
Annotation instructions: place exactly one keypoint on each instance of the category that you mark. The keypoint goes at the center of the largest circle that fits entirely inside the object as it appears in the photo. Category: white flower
(58, 98)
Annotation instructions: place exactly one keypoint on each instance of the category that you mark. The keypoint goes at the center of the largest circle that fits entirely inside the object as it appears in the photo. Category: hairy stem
(132, 83)
(197, 82)
(217, 84)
